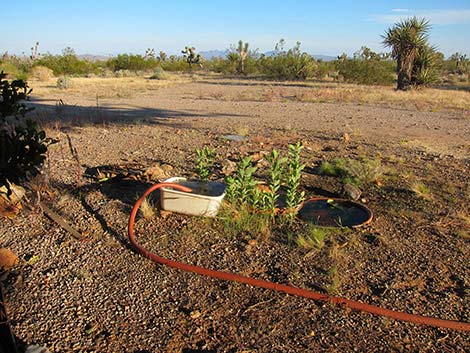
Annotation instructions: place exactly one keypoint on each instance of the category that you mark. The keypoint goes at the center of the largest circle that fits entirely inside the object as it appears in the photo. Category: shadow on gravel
(59, 114)
(124, 190)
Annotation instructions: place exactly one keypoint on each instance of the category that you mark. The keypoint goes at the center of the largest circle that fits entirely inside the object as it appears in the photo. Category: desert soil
(98, 295)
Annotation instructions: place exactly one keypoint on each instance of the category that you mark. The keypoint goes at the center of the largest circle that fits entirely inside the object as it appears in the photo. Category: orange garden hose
(397, 315)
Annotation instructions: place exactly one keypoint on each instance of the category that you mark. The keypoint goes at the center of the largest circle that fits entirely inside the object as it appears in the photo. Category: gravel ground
(98, 295)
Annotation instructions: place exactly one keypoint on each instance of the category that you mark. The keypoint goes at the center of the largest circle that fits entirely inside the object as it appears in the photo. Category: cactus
(189, 53)
(242, 51)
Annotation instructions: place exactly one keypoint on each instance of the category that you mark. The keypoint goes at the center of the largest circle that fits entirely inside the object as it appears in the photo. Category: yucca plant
(424, 68)
(409, 41)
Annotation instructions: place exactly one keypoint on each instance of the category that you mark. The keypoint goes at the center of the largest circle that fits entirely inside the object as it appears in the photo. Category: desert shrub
(41, 73)
(14, 72)
(106, 73)
(175, 63)
(68, 64)
(17, 67)
(220, 65)
(366, 67)
(325, 70)
(124, 73)
(230, 64)
(457, 64)
(357, 172)
(13, 95)
(132, 62)
(23, 144)
(159, 74)
(290, 65)
(63, 82)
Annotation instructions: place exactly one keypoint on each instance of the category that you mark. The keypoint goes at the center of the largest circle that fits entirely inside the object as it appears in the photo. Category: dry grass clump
(41, 73)
(147, 209)
(420, 189)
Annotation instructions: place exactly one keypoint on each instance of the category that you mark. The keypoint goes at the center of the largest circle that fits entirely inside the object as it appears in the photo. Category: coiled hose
(397, 315)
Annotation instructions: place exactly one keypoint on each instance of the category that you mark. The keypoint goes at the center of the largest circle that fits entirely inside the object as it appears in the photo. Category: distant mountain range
(209, 54)
(92, 57)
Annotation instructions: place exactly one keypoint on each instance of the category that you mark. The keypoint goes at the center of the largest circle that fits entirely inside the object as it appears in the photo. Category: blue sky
(323, 27)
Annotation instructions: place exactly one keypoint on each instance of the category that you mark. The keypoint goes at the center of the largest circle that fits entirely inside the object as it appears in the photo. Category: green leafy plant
(14, 94)
(241, 187)
(204, 162)
(276, 172)
(254, 202)
(23, 144)
(292, 179)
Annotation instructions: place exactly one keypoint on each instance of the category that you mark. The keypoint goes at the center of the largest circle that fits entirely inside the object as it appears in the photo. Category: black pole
(7, 341)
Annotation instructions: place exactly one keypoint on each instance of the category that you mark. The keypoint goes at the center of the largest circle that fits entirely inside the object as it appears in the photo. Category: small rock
(164, 214)
(346, 137)
(155, 172)
(195, 314)
(351, 191)
(16, 193)
(36, 349)
(236, 138)
(167, 168)
(256, 157)
(8, 259)
(229, 167)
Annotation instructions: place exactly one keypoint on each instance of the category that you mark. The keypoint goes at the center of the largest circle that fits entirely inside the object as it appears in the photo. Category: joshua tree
(191, 56)
(409, 42)
(242, 51)
(459, 59)
(149, 53)
(34, 52)
(162, 56)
